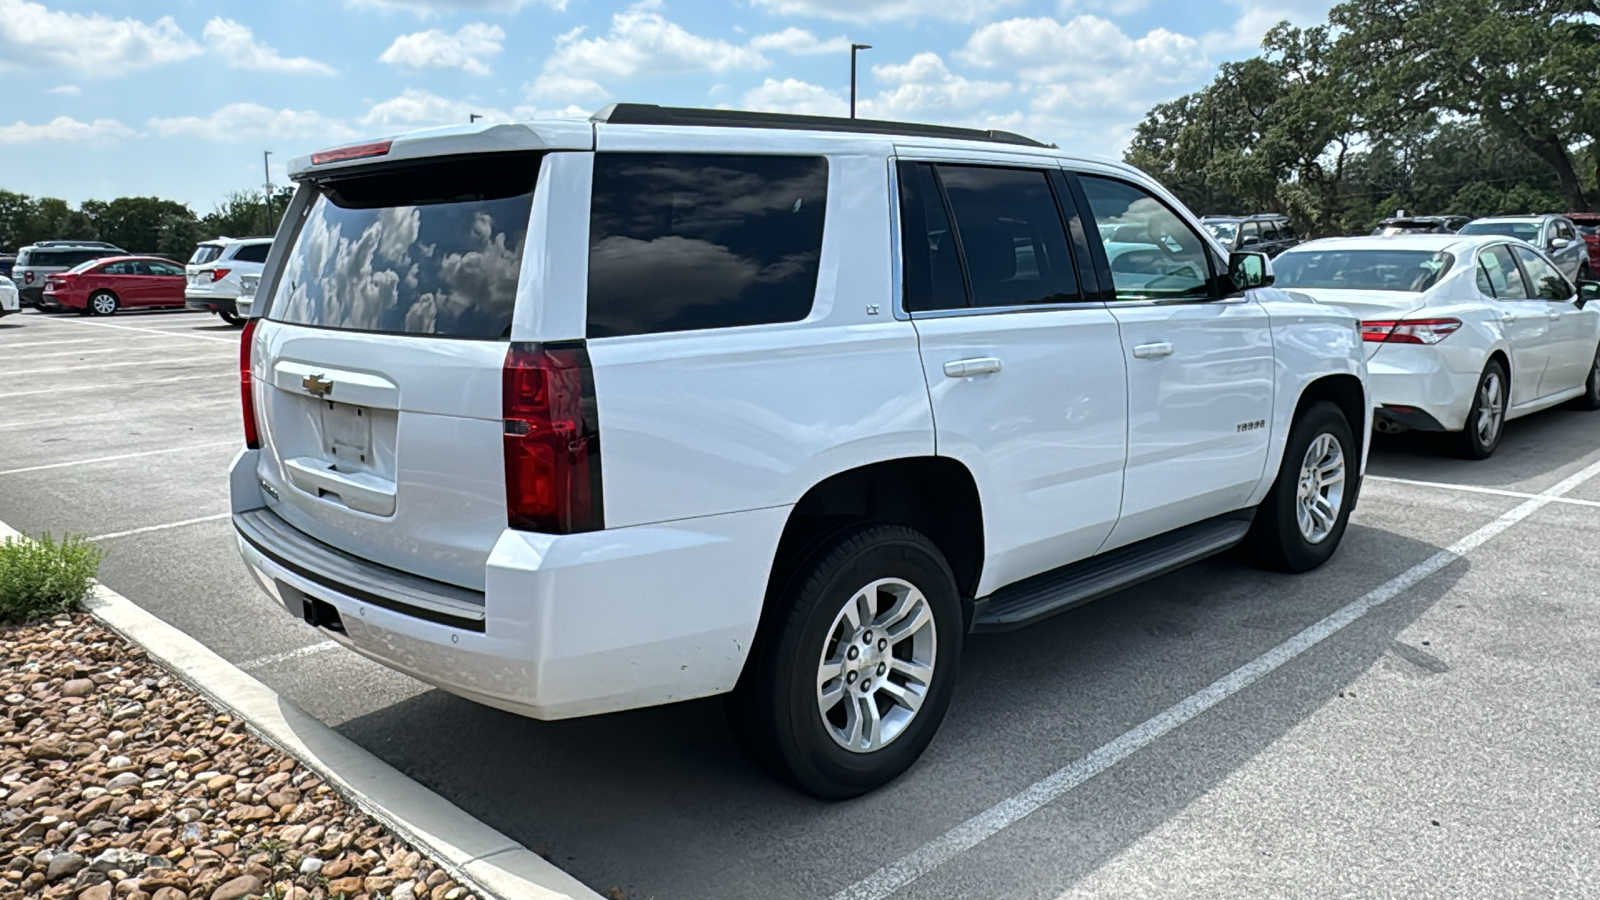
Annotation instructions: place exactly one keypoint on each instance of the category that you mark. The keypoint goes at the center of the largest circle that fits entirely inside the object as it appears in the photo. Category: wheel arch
(1342, 390)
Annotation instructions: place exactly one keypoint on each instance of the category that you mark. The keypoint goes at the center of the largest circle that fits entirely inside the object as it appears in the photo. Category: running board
(1058, 590)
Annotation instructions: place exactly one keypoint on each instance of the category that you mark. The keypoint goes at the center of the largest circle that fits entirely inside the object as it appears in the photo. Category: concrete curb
(478, 857)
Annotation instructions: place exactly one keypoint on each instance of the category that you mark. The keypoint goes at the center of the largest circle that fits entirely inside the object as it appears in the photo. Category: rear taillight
(27, 278)
(552, 439)
(1409, 331)
(219, 274)
(247, 341)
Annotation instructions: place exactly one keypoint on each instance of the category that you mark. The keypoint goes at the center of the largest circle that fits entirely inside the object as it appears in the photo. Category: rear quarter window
(252, 253)
(204, 253)
(681, 241)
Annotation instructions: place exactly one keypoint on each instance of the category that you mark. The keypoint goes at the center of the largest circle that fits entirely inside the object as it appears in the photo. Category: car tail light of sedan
(1410, 331)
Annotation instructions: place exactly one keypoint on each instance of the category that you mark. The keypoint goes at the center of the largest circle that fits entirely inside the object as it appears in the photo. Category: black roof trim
(650, 114)
(1252, 217)
(99, 244)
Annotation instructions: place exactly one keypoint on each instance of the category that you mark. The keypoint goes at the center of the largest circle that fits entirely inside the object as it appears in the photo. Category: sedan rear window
(427, 249)
(1361, 270)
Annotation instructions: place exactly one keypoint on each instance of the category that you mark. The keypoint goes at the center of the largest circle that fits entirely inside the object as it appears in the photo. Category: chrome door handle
(1152, 351)
(961, 368)
(1554, 315)
(1508, 317)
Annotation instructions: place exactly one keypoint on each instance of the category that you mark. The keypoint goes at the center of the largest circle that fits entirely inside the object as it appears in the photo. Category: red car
(103, 286)
(1589, 227)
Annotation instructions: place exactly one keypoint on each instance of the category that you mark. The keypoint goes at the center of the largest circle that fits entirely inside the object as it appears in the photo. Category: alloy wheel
(104, 304)
(1491, 409)
(1321, 494)
(877, 665)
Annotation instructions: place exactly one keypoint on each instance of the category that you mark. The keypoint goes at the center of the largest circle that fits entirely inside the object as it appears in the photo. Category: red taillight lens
(1409, 331)
(219, 274)
(552, 439)
(246, 393)
(359, 151)
(27, 278)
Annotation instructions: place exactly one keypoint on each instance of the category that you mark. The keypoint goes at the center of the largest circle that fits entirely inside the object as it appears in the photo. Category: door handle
(1555, 315)
(1152, 351)
(961, 368)
(1508, 317)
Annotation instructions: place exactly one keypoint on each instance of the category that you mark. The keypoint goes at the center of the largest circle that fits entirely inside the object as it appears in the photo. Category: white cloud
(563, 87)
(65, 129)
(66, 89)
(97, 46)
(642, 41)
(467, 50)
(235, 44)
(799, 42)
(1083, 49)
(791, 95)
(428, 8)
(1256, 18)
(924, 87)
(252, 121)
(416, 108)
(887, 10)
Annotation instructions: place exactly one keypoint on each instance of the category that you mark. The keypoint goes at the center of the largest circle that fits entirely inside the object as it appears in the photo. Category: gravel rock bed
(118, 781)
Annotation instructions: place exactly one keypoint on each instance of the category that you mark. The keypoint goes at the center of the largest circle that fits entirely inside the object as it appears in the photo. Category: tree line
(137, 224)
(1462, 107)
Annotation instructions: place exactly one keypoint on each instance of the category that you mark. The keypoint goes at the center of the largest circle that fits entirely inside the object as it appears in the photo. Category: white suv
(580, 416)
(214, 271)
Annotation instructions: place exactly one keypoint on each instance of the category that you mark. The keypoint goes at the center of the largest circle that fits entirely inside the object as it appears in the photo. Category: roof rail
(650, 114)
(76, 244)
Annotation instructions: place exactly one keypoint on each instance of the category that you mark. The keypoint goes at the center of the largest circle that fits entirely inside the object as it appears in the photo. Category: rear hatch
(1368, 306)
(379, 362)
(197, 272)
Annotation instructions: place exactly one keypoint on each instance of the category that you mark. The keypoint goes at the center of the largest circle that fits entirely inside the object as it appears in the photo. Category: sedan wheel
(1591, 394)
(1486, 420)
(103, 303)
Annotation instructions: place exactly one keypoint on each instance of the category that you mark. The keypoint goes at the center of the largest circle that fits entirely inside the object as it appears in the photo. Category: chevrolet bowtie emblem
(317, 385)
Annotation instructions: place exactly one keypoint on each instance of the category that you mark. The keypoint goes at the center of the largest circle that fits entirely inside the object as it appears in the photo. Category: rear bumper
(29, 296)
(210, 304)
(1417, 387)
(568, 625)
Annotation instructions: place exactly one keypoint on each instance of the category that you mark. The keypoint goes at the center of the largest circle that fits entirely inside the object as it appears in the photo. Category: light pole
(473, 117)
(266, 196)
(853, 49)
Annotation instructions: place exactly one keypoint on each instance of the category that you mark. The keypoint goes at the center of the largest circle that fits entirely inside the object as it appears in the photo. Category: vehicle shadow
(661, 803)
(1531, 453)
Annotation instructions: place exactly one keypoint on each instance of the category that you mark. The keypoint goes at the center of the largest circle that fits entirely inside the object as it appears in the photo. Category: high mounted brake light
(552, 439)
(1409, 331)
(359, 151)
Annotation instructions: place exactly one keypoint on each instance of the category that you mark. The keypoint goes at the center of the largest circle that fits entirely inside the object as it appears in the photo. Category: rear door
(168, 283)
(1021, 357)
(379, 365)
(1200, 367)
(1523, 320)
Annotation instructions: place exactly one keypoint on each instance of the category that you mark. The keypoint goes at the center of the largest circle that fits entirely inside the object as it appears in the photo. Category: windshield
(431, 249)
(1361, 270)
(1527, 231)
(1222, 231)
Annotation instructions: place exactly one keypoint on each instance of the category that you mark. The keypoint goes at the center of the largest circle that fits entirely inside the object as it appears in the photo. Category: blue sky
(105, 98)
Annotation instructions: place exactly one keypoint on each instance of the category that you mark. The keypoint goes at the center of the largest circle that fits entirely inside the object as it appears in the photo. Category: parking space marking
(107, 387)
(262, 662)
(48, 343)
(1002, 815)
(149, 528)
(120, 348)
(1474, 489)
(95, 367)
(68, 420)
(101, 459)
(199, 337)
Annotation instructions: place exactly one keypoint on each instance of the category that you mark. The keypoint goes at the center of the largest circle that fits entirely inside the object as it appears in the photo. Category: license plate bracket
(346, 433)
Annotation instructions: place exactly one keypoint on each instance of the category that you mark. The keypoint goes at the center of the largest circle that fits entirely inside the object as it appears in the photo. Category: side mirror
(1249, 269)
(1559, 243)
(1249, 240)
(1588, 291)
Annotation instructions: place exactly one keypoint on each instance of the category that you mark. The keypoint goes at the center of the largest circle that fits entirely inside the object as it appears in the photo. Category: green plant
(42, 577)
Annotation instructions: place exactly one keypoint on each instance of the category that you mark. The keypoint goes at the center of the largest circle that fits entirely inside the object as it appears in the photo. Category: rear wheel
(232, 318)
(1302, 520)
(1591, 388)
(103, 303)
(854, 671)
(1486, 420)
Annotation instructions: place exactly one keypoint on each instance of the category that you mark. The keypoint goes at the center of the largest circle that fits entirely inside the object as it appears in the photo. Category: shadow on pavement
(1530, 454)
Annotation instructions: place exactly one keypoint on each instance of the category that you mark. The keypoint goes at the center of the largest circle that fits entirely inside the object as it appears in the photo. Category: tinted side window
(933, 276)
(1152, 252)
(1548, 283)
(1504, 276)
(255, 253)
(1485, 284)
(1012, 237)
(121, 268)
(682, 241)
(160, 268)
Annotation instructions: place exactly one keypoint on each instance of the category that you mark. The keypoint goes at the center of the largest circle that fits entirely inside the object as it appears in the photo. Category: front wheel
(1486, 420)
(855, 669)
(103, 303)
(1300, 523)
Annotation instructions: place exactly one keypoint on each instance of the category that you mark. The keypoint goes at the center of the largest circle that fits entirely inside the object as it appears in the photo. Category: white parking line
(120, 348)
(95, 367)
(1009, 811)
(68, 420)
(1474, 489)
(262, 662)
(149, 528)
(121, 384)
(101, 459)
(48, 343)
(199, 337)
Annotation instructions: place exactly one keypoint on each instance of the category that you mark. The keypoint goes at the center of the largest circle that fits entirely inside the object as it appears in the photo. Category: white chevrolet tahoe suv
(570, 417)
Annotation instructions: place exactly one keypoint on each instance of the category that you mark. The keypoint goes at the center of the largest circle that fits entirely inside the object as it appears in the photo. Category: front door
(1572, 330)
(1025, 373)
(1199, 362)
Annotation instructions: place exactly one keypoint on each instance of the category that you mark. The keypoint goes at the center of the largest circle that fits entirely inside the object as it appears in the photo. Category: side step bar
(1058, 590)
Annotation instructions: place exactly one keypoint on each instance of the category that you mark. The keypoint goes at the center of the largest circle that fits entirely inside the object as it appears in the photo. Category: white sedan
(9, 301)
(1462, 332)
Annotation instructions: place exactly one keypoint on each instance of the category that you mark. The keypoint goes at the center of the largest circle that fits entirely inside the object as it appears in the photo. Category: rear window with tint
(255, 253)
(681, 241)
(205, 253)
(427, 249)
(1361, 270)
(62, 259)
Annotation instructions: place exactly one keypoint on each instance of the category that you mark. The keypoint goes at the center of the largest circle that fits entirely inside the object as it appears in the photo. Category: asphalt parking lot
(1415, 719)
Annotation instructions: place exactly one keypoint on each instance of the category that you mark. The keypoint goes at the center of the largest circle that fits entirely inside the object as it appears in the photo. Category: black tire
(1276, 539)
(1478, 440)
(775, 710)
(232, 318)
(1591, 388)
(108, 303)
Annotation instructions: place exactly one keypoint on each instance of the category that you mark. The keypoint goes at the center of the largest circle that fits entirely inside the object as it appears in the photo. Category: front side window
(1153, 253)
(429, 249)
(685, 241)
(1548, 283)
(1504, 276)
